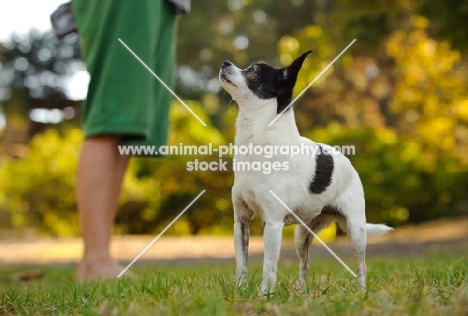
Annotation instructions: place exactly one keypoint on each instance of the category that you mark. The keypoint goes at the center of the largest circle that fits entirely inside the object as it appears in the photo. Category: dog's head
(261, 81)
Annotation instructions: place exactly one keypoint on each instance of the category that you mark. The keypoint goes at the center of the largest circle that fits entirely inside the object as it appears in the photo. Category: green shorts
(124, 98)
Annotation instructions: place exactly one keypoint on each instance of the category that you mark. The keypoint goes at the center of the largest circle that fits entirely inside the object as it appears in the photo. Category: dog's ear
(286, 80)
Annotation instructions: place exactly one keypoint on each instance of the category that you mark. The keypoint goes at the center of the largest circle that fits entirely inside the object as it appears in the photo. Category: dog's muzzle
(226, 63)
(226, 71)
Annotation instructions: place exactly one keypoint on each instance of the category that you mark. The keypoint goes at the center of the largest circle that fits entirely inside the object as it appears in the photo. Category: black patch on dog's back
(323, 172)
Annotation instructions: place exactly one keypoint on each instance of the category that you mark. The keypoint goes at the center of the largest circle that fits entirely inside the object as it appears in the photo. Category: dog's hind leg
(302, 240)
(354, 223)
(242, 216)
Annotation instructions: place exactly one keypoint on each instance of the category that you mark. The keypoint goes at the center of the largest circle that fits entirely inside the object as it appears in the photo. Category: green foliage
(449, 18)
(361, 27)
(38, 191)
(157, 190)
(398, 94)
(397, 178)
(403, 109)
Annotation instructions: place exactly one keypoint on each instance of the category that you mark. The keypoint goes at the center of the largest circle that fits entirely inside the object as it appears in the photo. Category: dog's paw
(267, 291)
(300, 285)
(241, 279)
(362, 281)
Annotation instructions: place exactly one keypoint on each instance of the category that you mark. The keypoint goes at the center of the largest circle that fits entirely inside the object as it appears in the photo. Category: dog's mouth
(225, 79)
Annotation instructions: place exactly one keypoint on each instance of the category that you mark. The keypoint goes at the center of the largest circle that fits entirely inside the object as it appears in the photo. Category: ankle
(97, 257)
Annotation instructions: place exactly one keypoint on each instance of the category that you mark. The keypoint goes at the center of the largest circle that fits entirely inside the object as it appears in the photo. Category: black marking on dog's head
(262, 80)
(323, 172)
(268, 82)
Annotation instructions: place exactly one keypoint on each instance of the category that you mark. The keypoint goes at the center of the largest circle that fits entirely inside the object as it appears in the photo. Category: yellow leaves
(419, 56)
(309, 37)
(386, 135)
(429, 48)
(149, 214)
(327, 235)
(432, 106)
(347, 60)
(359, 79)
(442, 65)
(285, 59)
(313, 31)
(405, 97)
(222, 204)
(460, 108)
(427, 78)
(185, 128)
(62, 226)
(288, 47)
(438, 132)
(410, 152)
(290, 43)
(441, 125)
(415, 75)
(419, 22)
(380, 88)
(392, 48)
(395, 42)
(210, 103)
(181, 227)
(134, 188)
(400, 214)
(444, 50)
(41, 184)
(20, 219)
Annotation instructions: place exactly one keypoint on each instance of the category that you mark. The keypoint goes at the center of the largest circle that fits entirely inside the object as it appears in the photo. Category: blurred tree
(449, 20)
(170, 187)
(34, 70)
(398, 95)
(430, 95)
(39, 63)
(404, 109)
(38, 190)
(398, 188)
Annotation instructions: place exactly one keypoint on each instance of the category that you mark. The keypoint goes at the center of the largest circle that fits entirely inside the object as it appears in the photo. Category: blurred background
(399, 95)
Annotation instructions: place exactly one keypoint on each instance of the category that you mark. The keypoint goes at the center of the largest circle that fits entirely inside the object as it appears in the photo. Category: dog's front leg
(242, 216)
(272, 238)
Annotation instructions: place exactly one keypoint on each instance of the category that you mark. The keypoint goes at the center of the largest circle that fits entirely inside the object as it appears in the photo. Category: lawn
(434, 284)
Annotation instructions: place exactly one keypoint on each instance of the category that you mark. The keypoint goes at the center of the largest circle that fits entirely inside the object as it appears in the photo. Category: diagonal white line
(315, 235)
(162, 82)
(312, 82)
(160, 234)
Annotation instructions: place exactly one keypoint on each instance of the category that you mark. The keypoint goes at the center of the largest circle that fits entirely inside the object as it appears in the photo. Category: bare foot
(99, 268)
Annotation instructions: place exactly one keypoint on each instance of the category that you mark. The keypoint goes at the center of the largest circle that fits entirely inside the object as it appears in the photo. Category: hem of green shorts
(116, 128)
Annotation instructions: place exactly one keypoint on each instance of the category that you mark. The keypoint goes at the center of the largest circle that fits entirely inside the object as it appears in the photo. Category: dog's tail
(377, 229)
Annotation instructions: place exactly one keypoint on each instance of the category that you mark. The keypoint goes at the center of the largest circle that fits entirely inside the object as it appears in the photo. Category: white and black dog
(319, 189)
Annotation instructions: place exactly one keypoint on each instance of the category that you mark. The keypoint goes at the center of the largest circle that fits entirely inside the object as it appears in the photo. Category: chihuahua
(319, 188)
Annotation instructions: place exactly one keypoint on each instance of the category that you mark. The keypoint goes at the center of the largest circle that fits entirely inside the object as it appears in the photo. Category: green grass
(436, 284)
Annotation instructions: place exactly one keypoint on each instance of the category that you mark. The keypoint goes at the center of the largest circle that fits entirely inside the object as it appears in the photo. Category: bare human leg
(99, 177)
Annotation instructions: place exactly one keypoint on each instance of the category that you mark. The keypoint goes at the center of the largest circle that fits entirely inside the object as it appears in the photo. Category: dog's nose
(227, 63)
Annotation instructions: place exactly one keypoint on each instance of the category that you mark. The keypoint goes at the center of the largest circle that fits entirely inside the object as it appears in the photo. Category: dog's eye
(250, 68)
